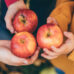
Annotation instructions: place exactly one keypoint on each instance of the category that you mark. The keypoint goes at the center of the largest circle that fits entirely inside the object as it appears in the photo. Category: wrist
(9, 2)
(68, 51)
(17, 4)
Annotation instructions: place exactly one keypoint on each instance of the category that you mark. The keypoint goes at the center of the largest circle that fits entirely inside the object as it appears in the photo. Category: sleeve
(72, 25)
(63, 15)
(9, 2)
(58, 2)
(71, 56)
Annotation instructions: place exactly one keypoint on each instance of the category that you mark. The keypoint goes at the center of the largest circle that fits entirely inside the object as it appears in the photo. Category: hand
(12, 9)
(51, 20)
(66, 48)
(9, 58)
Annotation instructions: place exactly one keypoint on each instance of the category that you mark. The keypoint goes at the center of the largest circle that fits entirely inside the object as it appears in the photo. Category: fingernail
(52, 46)
(26, 62)
(41, 54)
(15, 32)
(65, 32)
(12, 31)
(45, 48)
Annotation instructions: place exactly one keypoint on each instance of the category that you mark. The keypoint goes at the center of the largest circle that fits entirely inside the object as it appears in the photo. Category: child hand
(66, 48)
(12, 9)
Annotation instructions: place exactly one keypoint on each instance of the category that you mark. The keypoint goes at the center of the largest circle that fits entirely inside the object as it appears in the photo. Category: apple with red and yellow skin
(23, 44)
(49, 35)
(25, 20)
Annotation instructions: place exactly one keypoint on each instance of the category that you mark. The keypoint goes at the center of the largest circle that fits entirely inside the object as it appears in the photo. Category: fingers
(51, 20)
(48, 52)
(7, 57)
(69, 35)
(5, 43)
(59, 50)
(54, 49)
(17, 61)
(34, 57)
(36, 54)
(48, 57)
(8, 21)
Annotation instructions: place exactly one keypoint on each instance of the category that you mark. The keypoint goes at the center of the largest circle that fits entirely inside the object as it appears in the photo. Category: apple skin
(23, 44)
(25, 20)
(49, 35)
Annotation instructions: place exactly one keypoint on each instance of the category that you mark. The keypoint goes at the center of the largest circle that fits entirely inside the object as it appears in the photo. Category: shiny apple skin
(23, 44)
(55, 37)
(31, 21)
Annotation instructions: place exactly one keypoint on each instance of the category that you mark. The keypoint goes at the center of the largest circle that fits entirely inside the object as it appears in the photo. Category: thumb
(34, 57)
(51, 20)
(9, 25)
(68, 35)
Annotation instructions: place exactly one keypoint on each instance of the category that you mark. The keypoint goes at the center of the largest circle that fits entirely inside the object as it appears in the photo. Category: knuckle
(7, 27)
(70, 33)
(72, 36)
(5, 18)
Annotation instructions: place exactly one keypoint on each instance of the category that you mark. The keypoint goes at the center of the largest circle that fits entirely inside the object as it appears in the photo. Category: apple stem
(23, 19)
(22, 41)
(28, 4)
(48, 34)
(22, 16)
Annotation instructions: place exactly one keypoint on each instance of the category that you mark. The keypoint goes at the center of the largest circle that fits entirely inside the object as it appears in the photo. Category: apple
(23, 44)
(25, 20)
(49, 35)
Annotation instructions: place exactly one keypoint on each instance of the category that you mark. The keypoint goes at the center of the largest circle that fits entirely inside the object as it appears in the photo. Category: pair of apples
(23, 43)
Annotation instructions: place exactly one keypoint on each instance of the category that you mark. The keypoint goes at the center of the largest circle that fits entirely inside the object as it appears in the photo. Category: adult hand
(7, 57)
(12, 9)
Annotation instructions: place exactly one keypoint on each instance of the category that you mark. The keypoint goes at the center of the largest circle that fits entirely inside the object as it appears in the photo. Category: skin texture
(15, 7)
(65, 48)
(23, 44)
(49, 35)
(25, 20)
(9, 58)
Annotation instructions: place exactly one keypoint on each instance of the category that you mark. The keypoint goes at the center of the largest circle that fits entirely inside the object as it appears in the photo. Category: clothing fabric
(9, 2)
(63, 14)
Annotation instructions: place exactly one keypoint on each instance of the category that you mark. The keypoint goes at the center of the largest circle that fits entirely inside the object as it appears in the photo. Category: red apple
(23, 44)
(25, 20)
(49, 35)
